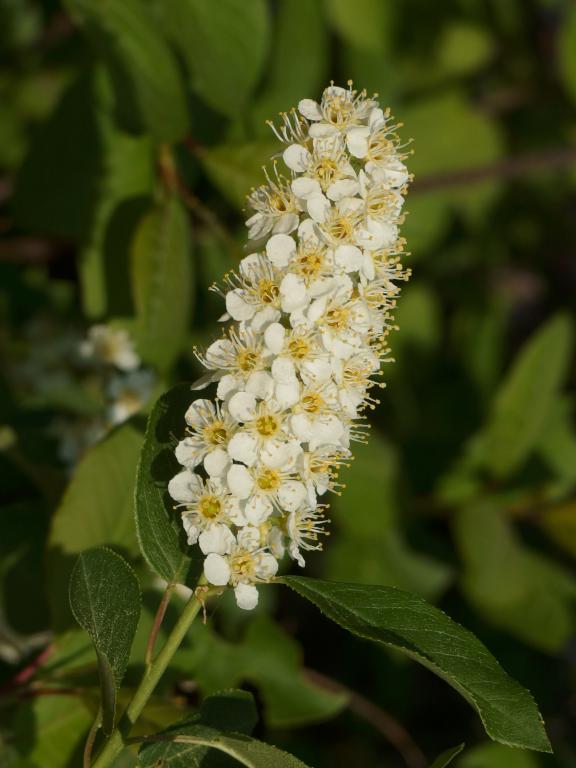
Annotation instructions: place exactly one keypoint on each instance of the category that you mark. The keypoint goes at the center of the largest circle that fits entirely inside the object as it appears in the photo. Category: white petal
(216, 462)
(287, 395)
(274, 337)
(293, 293)
(291, 494)
(218, 350)
(322, 130)
(260, 384)
(302, 427)
(185, 486)
(227, 385)
(267, 566)
(246, 596)
(242, 406)
(278, 454)
(216, 570)
(283, 370)
(197, 412)
(249, 538)
(327, 431)
(304, 187)
(187, 454)
(296, 157)
(307, 231)
(357, 141)
(280, 249)
(310, 109)
(318, 207)
(192, 530)
(240, 481)
(342, 188)
(237, 307)
(217, 538)
(234, 511)
(243, 447)
(286, 223)
(349, 258)
(258, 509)
(263, 318)
(316, 371)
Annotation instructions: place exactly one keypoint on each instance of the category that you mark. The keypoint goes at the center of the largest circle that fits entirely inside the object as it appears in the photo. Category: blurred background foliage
(130, 133)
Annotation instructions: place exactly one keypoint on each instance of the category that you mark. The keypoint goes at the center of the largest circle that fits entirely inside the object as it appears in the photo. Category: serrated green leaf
(497, 756)
(407, 623)
(97, 508)
(515, 588)
(148, 88)
(160, 533)
(525, 399)
(223, 45)
(161, 265)
(105, 600)
(362, 23)
(447, 756)
(235, 168)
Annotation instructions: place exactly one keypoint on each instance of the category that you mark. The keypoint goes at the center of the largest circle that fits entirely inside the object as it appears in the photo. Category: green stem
(149, 682)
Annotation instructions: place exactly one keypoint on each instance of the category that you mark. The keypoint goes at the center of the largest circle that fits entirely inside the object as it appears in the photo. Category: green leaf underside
(160, 533)
(447, 756)
(223, 723)
(407, 623)
(105, 600)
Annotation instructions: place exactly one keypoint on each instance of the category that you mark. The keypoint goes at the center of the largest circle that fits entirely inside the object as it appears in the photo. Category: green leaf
(467, 139)
(515, 588)
(223, 45)
(160, 533)
(126, 174)
(497, 756)
(235, 168)
(299, 25)
(407, 623)
(559, 522)
(447, 756)
(567, 50)
(525, 399)
(148, 88)
(162, 282)
(362, 23)
(97, 508)
(60, 726)
(105, 600)
(557, 445)
(373, 548)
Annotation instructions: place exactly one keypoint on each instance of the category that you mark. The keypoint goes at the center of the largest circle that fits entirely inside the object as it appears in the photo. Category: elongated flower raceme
(310, 311)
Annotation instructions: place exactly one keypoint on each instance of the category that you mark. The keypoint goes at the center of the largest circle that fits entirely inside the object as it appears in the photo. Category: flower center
(337, 318)
(216, 433)
(268, 480)
(309, 263)
(267, 425)
(338, 111)
(247, 359)
(340, 228)
(298, 348)
(325, 170)
(268, 291)
(312, 403)
(278, 204)
(380, 147)
(210, 507)
(243, 565)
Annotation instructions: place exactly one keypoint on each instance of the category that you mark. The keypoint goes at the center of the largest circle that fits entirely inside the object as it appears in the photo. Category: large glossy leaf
(148, 88)
(407, 623)
(516, 588)
(160, 533)
(223, 44)
(97, 508)
(525, 400)
(162, 282)
(105, 600)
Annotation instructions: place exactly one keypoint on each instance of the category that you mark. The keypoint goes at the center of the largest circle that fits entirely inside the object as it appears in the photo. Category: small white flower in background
(311, 309)
(112, 346)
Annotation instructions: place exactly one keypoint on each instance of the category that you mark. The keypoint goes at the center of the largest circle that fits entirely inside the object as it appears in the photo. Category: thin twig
(512, 167)
(158, 619)
(90, 739)
(382, 721)
(27, 672)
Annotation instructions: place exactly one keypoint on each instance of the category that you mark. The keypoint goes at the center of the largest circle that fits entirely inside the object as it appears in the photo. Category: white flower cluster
(311, 310)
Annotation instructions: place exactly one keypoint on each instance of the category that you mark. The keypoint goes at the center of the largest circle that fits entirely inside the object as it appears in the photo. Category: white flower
(309, 313)
(128, 393)
(112, 346)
